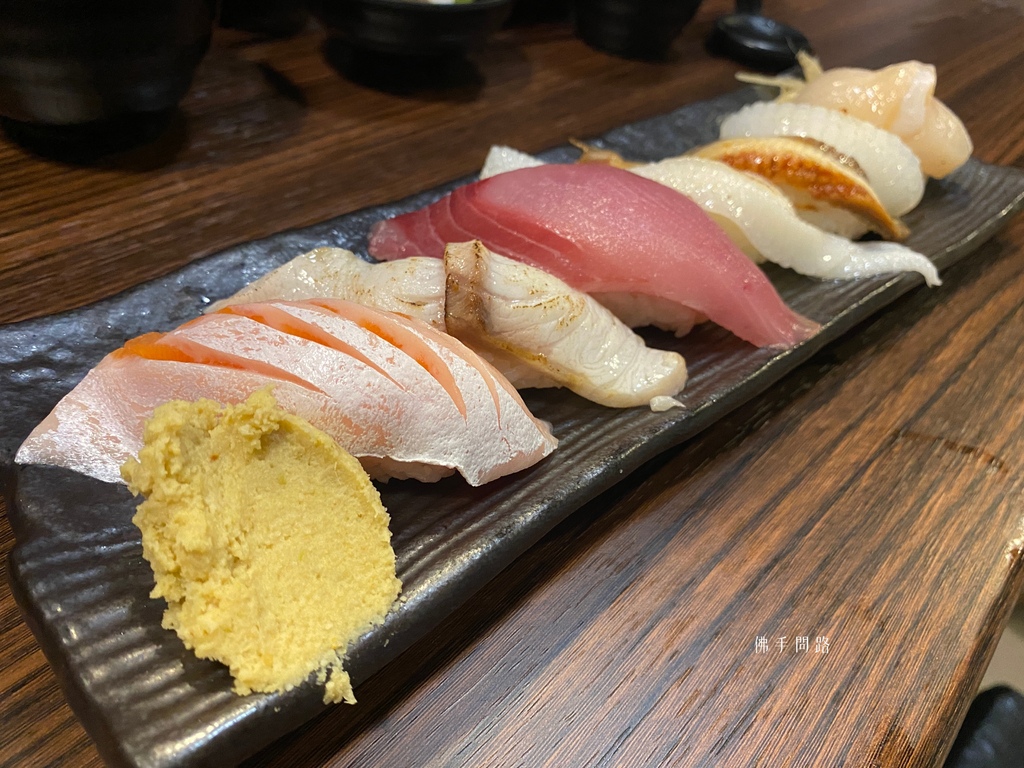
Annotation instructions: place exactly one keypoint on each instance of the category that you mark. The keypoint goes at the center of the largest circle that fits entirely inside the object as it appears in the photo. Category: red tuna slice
(604, 230)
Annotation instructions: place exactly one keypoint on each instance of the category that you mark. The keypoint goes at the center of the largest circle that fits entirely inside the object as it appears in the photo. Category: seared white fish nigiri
(405, 399)
(767, 223)
(537, 331)
(827, 190)
(413, 287)
(540, 332)
(891, 168)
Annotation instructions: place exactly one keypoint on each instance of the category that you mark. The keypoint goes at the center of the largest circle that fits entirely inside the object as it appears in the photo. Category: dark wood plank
(872, 497)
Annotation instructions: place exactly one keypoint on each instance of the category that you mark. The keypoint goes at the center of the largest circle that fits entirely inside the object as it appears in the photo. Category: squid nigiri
(406, 400)
(765, 219)
(604, 230)
(501, 159)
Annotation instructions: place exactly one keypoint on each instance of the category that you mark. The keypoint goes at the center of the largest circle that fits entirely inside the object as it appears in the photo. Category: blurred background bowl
(273, 18)
(84, 70)
(635, 29)
(538, 12)
(411, 29)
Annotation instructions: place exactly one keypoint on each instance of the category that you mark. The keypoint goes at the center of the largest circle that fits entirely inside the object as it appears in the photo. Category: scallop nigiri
(899, 98)
(406, 400)
(604, 230)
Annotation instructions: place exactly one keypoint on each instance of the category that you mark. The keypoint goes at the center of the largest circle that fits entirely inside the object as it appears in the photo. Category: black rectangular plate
(77, 569)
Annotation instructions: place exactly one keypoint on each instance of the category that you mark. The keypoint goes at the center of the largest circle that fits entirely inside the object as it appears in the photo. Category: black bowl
(757, 41)
(70, 68)
(634, 29)
(411, 29)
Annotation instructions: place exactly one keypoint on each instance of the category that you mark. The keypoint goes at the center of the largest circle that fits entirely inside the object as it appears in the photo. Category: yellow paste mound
(267, 540)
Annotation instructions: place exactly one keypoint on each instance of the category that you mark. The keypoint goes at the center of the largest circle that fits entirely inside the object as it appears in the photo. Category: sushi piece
(889, 165)
(501, 159)
(899, 98)
(604, 230)
(827, 191)
(413, 287)
(762, 223)
(406, 400)
(766, 222)
(540, 332)
(536, 330)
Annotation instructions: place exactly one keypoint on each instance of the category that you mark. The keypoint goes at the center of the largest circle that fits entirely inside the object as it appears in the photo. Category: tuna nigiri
(757, 217)
(406, 400)
(604, 230)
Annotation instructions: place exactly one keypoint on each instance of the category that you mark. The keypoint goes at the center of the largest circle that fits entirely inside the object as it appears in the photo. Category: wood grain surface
(873, 497)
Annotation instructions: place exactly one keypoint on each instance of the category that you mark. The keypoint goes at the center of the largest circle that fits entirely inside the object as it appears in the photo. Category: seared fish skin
(523, 319)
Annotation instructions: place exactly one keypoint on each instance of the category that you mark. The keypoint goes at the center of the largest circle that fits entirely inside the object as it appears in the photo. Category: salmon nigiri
(605, 231)
(405, 399)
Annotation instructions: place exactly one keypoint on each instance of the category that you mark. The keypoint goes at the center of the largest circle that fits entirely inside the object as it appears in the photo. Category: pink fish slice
(406, 399)
(604, 230)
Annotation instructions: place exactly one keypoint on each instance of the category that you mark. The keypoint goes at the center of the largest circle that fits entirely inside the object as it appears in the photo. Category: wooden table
(873, 497)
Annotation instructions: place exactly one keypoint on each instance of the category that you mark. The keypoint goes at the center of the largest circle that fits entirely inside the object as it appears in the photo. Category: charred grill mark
(819, 181)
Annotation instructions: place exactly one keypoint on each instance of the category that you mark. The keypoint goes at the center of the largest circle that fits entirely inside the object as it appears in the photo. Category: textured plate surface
(77, 569)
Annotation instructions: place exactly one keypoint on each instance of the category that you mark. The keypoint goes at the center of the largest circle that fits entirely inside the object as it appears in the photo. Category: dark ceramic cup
(89, 70)
(635, 29)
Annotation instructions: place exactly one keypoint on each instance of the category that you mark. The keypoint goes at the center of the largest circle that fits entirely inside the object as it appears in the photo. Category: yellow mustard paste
(267, 540)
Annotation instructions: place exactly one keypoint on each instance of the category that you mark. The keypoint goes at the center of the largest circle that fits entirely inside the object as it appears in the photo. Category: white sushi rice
(503, 159)
(664, 402)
